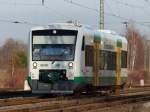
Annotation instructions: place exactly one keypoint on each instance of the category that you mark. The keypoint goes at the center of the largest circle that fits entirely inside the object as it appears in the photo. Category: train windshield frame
(53, 45)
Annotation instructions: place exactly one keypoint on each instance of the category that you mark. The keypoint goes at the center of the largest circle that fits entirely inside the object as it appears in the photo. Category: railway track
(90, 103)
(76, 105)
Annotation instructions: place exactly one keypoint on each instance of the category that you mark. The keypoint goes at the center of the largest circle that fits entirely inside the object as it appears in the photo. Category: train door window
(107, 60)
(103, 61)
(124, 59)
(111, 60)
(83, 43)
(89, 55)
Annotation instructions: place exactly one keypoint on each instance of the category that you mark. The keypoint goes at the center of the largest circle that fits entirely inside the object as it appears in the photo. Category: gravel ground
(127, 108)
(146, 107)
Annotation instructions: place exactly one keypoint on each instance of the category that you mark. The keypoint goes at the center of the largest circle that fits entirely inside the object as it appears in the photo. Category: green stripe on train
(119, 43)
(29, 80)
(103, 80)
(97, 38)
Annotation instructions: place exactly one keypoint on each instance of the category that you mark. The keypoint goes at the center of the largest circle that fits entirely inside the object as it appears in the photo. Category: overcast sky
(32, 13)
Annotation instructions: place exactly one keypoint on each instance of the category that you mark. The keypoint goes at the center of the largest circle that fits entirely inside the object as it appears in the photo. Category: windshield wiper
(53, 62)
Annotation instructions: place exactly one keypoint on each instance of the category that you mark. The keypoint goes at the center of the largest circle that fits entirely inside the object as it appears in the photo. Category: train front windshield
(53, 45)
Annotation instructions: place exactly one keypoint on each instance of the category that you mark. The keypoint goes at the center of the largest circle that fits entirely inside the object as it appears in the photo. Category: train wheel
(79, 89)
(89, 89)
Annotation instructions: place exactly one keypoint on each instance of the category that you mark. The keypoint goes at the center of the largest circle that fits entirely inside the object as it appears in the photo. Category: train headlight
(54, 31)
(34, 65)
(70, 64)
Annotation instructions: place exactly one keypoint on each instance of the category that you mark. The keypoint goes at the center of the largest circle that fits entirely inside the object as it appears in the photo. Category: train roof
(111, 34)
(56, 25)
(102, 33)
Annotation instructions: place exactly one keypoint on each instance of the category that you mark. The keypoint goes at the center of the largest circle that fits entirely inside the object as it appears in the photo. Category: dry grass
(125, 108)
(134, 77)
(12, 82)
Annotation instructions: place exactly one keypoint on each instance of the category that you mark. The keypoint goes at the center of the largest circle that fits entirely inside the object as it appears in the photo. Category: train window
(83, 43)
(103, 61)
(112, 61)
(124, 59)
(107, 60)
(89, 56)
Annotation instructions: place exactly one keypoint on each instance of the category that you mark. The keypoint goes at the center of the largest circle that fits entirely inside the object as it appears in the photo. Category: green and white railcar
(62, 58)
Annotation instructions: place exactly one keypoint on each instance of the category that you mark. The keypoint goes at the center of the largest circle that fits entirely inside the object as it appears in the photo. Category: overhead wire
(127, 4)
(19, 4)
(80, 5)
(93, 9)
(66, 17)
(127, 20)
(50, 9)
(147, 1)
(133, 6)
(106, 13)
(17, 22)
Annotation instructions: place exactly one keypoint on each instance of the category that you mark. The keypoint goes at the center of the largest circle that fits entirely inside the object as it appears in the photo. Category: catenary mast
(101, 14)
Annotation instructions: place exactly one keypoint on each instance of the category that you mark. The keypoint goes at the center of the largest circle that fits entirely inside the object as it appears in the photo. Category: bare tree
(136, 49)
(13, 57)
(136, 55)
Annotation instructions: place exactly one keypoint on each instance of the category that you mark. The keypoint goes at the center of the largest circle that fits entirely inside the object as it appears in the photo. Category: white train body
(61, 58)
